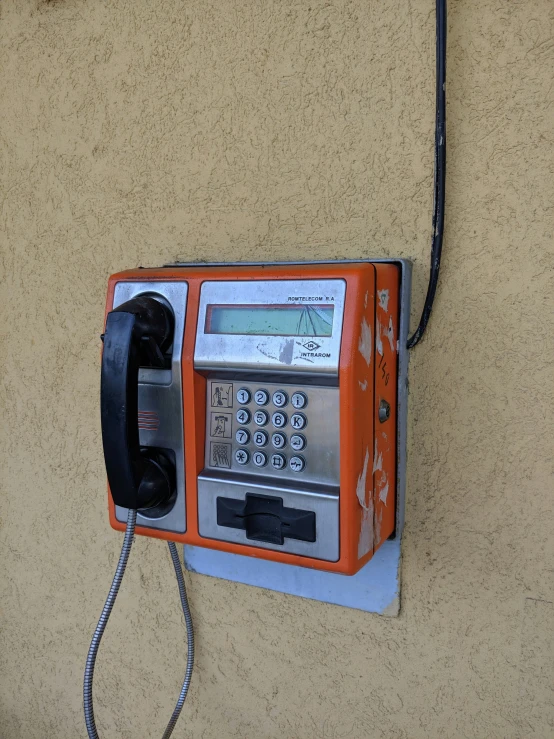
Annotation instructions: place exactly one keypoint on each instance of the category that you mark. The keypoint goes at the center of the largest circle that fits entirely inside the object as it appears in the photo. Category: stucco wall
(137, 132)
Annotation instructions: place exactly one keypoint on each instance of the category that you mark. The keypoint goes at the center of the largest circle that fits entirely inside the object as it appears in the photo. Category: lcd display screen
(270, 320)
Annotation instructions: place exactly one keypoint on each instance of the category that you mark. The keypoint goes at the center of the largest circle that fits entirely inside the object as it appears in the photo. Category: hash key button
(278, 461)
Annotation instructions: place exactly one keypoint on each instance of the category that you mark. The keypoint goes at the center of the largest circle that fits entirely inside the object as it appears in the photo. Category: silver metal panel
(322, 433)
(160, 399)
(310, 354)
(325, 507)
(403, 355)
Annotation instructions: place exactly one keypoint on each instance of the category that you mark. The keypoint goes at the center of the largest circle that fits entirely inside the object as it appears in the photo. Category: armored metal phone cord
(99, 631)
(439, 184)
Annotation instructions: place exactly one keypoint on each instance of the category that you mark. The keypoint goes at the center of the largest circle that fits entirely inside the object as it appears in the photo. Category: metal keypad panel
(284, 431)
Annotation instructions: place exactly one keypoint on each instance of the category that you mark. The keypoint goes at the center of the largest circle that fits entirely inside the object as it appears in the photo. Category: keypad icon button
(279, 420)
(297, 464)
(261, 418)
(243, 416)
(242, 436)
(279, 441)
(259, 459)
(243, 395)
(298, 421)
(242, 456)
(297, 442)
(261, 397)
(260, 438)
(299, 401)
(278, 461)
(280, 399)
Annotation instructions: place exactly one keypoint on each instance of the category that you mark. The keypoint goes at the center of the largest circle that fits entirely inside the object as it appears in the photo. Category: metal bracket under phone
(376, 587)
(161, 401)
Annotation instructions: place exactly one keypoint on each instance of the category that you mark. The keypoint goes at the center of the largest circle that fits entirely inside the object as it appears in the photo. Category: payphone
(251, 409)
(274, 405)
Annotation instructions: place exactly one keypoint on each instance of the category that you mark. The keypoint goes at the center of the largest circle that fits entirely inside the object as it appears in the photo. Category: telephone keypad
(249, 447)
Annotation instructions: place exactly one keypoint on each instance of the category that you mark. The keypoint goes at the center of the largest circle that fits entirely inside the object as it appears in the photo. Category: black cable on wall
(440, 174)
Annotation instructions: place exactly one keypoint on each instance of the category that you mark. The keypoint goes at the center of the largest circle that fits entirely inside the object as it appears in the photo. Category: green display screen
(270, 320)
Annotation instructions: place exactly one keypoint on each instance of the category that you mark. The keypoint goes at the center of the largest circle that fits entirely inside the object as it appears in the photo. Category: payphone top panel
(270, 325)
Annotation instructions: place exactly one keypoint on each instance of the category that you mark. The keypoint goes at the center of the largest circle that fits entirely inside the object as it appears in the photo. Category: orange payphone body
(271, 411)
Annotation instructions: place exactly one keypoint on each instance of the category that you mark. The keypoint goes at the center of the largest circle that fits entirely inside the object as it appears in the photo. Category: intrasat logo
(311, 346)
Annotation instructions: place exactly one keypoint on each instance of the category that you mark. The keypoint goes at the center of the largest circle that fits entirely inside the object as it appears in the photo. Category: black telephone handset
(137, 333)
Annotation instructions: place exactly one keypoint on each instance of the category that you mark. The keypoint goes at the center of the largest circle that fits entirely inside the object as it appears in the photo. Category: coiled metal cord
(106, 611)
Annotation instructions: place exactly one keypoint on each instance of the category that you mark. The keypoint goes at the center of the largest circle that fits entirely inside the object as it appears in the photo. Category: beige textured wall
(137, 132)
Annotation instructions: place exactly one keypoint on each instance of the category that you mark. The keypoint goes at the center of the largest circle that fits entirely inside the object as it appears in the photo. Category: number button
(261, 418)
(279, 420)
(297, 464)
(299, 401)
(279, 441)
(260, 438)
(243, 416)
(243, 396)
(242, 436)
(261, 397)
(280, 399)
(259, 459)
(278, 461)
(298, 421)
(242, 456)
(297, 442)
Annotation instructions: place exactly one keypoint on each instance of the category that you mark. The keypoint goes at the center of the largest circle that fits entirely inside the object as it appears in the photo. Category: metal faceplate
(259, 440)
(160, 399)
(239, 429)
(325, 507)
(260, 353)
